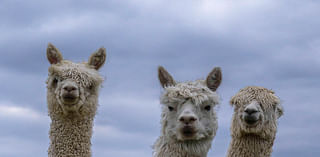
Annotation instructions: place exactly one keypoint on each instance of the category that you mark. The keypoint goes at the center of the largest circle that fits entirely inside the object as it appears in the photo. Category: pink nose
(70, 88)
(187, 119)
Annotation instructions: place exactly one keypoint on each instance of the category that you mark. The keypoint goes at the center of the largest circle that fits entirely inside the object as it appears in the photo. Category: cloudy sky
(269, 43)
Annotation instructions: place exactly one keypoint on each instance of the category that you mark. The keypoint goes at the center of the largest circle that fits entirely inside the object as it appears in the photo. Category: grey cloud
(267, 43)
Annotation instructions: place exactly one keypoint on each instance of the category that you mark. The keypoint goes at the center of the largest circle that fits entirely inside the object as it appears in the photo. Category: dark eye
(170, 108)
(208, 108)
(54, 81)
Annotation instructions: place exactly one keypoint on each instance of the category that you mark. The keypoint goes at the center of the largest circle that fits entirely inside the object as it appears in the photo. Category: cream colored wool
(254, 141)
(71, 125)
(176, 94)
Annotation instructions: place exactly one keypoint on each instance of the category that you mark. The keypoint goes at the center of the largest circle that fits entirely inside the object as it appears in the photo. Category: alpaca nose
(188, 119)
(69, 88)
(250, 111)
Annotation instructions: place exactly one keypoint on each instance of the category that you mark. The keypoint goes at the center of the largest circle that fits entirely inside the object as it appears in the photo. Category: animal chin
(71, 108)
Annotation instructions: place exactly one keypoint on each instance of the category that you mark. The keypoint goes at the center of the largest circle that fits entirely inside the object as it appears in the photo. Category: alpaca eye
(170, 108)
(54, 81)
(208, 108)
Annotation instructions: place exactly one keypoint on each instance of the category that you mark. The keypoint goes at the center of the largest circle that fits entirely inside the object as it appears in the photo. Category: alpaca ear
(53, 54)
(165, 78)
(98, 58)
(279, 110)
(214, 79)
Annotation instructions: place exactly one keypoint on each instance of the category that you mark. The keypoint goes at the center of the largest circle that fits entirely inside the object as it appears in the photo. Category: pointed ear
(165, 78)
(98, 58)
(214, 79)
(53, 54)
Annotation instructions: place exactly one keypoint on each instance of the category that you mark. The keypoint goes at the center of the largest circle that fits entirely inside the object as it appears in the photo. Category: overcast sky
(269, 43)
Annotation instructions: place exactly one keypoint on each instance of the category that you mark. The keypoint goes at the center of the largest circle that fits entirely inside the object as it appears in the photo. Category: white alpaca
(254, 122)
(72, 98)
(189, 122)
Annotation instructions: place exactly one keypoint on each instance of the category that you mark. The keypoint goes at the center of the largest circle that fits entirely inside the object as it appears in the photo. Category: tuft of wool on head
(197, 91)
(80, 73)
(266, 97)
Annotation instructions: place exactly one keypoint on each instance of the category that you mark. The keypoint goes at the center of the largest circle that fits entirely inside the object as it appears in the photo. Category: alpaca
(72, 97)
(254, 122)
(189, 121)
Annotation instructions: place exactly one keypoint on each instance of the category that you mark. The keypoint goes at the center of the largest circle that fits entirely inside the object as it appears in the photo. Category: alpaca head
(73, 87)
(256, 110)
(188, 107)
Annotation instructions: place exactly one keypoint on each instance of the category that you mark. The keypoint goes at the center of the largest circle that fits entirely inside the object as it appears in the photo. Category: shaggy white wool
(254, 141)
(167, 144)
(166, 147)
(196, 90)
(189, 121)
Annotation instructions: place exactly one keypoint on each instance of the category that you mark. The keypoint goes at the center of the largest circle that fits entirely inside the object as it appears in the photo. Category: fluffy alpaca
(254, 122)
(72, 98)
(189, 122)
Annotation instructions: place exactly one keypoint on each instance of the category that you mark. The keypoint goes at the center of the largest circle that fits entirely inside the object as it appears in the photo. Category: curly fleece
(70, 135)
(254, 141)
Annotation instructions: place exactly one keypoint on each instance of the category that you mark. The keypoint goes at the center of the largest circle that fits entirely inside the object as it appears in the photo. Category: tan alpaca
(72, 98)
(254, 122)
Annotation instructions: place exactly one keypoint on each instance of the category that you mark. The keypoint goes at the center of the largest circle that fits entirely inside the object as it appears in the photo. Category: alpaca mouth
(69, 99)
(251, 120)
(188, 131)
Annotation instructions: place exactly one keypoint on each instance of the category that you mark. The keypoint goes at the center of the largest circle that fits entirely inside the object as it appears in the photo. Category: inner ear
(98, 58)
(214, 79)
(53, 54)
(165, 78)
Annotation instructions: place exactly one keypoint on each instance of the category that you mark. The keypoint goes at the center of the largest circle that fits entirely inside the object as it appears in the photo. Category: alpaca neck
(165, 147)
(70, 137)
(250, 146)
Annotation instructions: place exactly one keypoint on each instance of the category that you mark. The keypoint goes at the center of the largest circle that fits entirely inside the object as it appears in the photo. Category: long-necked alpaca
(254, 122)
(189, 121)
(72, 98)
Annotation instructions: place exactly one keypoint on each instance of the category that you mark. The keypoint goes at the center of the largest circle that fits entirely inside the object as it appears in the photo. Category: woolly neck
(171, 148)
(250, 146)
(70, 137)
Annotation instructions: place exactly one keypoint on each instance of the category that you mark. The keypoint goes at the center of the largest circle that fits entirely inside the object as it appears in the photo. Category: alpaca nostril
(192, 119)
(187, 119)
(69, 88)
(250, 111)
(181, 119)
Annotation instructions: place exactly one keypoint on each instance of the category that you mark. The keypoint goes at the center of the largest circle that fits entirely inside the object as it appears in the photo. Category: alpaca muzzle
(251, 116)
(70, 93)
(251, 113)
